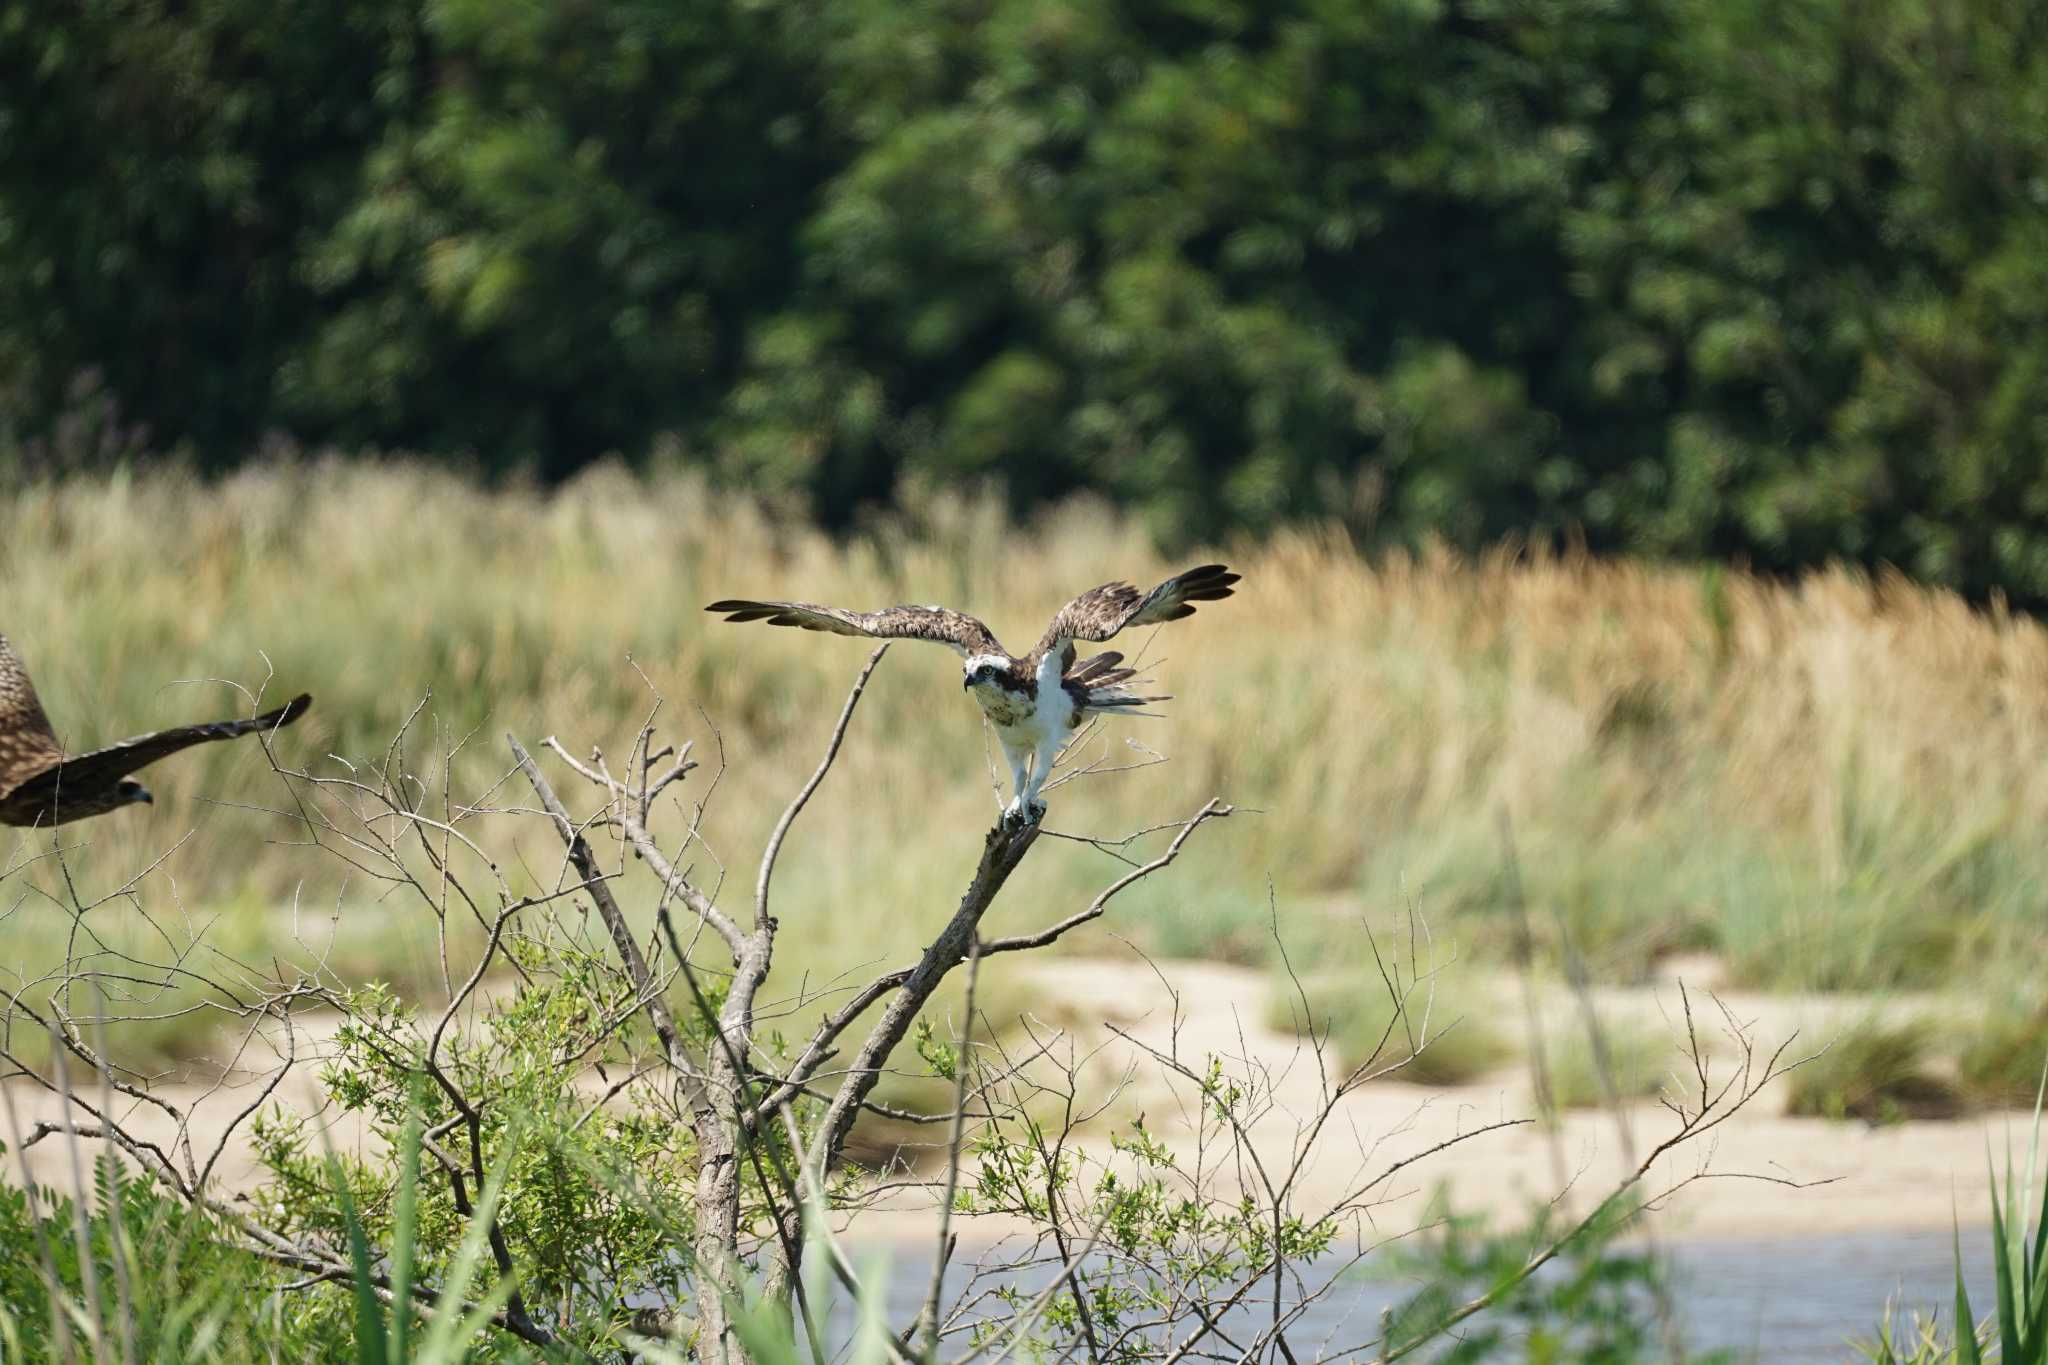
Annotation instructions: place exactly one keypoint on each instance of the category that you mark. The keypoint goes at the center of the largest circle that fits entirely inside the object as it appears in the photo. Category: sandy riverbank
(1852, 1177)
(1856, 1178)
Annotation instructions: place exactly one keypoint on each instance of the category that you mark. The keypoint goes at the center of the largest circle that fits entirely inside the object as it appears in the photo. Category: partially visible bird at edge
(41, 785)
(1034, 703)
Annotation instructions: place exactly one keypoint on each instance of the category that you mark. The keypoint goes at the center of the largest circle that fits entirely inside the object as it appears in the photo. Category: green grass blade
(1967, 1352)
(764, 1333)
(655, 1352)
(2040, 1248)
(870, 1337)
(2001, 1259)
(2035, 1330)
(449, 1329)
(404, 1234)
(453, 1346)
(2034, 1306)
(369, 1313)
(2032, 1322)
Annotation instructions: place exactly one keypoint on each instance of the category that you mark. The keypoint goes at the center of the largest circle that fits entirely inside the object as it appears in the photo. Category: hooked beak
(966, 681)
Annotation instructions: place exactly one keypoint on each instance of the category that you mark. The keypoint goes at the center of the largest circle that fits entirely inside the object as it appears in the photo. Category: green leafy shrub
(167, 1283)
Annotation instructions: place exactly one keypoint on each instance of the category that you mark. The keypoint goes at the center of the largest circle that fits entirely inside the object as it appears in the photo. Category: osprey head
(61, 808)
(984, 670)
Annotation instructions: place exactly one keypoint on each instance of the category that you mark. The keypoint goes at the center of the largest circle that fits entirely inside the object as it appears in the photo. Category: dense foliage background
(1742, 277)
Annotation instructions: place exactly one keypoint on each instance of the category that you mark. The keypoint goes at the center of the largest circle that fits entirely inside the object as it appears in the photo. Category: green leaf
(445, 1337)
(405, 1230)
(370, 1335)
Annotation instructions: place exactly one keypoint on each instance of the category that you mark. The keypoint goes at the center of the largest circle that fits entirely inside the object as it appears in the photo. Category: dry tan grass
(1833, 783)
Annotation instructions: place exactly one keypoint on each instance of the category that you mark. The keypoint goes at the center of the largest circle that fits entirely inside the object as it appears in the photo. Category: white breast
(1021, 722)
(1054, 713)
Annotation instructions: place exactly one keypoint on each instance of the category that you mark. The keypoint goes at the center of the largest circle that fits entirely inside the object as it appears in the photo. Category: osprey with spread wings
(1035, 702)
(42, 784)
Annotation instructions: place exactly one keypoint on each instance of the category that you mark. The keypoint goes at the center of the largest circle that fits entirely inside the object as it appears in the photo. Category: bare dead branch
(795, 807)
(1214, 810)
(595, 882)
(1003, 849)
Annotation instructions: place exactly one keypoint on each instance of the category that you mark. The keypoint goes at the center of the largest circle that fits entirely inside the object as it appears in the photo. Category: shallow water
(1775, 1300)
(1804, 1299)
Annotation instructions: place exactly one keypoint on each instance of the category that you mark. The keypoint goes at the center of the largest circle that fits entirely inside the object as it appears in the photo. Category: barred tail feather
(1095, 670)
(1119, 699)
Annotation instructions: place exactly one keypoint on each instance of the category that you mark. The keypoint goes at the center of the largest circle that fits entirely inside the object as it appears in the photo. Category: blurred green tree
(556, 248)
(161, 167)
(1756, 280)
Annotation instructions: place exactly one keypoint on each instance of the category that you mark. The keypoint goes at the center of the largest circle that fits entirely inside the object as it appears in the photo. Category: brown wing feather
(103, 767)
(942, 625)
(1101, 612)
(28, 745)
(1095, 667)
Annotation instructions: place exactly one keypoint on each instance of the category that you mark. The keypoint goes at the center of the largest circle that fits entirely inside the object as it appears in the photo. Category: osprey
(1035, 703)
(41, 785)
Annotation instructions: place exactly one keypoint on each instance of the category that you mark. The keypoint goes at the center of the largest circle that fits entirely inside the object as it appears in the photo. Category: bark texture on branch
(718, 1172)
(1003, 850)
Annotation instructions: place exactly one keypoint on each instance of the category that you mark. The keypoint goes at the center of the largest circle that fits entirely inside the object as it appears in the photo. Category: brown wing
(1095, 668)
(28, 746)
(1101, 612)
(104, 767)
(940, 624)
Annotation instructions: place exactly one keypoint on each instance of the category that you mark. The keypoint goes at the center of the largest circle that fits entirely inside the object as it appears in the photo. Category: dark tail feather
(290, 711)
(1122, 701)
(255, 725)
(1206, 583)
(1097, 673)
(1095, 668)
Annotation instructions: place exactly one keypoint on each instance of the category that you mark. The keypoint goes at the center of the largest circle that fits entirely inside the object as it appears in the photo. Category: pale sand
(1914, 1175)
(1906, 1176)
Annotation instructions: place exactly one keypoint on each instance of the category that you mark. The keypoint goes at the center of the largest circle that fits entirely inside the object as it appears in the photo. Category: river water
(1777, 1301)
(1804, 1299)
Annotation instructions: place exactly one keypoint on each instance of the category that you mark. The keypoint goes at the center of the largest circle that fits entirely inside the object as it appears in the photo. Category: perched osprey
(1035, 703)
(39, 785)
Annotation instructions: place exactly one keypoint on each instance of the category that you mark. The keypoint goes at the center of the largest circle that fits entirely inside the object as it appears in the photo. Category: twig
(795, 807)
(594, 881)
(963, 1043)
(1214, 810)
